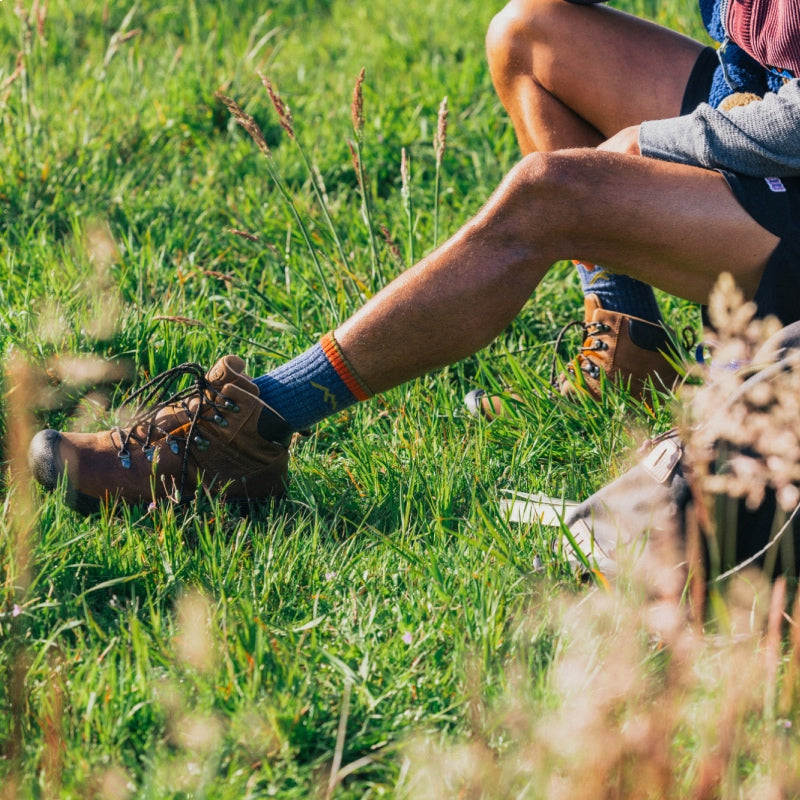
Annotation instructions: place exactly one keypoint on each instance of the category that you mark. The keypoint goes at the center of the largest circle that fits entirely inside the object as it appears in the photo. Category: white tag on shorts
(775, 184)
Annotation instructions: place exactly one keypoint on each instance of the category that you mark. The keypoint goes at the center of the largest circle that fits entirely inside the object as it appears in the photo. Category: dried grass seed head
(246, 121)
(440, 138)
(354, 156)
(194, 645)
(283, 111)
(742, 436)
(405, 176)
(357, 105)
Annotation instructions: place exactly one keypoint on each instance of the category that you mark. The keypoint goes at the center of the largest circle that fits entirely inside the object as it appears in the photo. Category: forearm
(760, 139)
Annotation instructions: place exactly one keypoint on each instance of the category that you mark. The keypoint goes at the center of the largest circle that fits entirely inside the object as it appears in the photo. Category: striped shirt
(767, 30)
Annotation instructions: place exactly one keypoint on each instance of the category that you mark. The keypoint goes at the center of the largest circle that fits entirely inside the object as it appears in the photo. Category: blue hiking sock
(620, 293)
(313, 385)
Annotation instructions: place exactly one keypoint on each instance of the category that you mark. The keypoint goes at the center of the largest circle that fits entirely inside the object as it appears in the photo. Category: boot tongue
(229, 370)
(591, 303)
(271, 425)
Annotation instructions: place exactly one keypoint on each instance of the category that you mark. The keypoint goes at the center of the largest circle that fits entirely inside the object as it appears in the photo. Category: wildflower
(407, 637)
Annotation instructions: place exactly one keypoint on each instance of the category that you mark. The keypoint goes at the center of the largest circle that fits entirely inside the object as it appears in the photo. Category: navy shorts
(774, 203)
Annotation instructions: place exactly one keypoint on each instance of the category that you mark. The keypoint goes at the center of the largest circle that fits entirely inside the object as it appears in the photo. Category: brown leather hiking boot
(216, 434)
(628, 349)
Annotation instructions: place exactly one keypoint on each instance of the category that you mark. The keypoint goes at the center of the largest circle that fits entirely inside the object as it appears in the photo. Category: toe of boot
(44, 458)
(46, 464)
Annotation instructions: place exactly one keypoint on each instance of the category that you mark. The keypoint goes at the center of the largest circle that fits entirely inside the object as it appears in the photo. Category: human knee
(550, 176)
(543, 196)
(511, 36)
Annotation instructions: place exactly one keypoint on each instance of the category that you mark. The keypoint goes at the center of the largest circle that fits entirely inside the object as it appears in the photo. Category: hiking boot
(627, 349)
(216, 435)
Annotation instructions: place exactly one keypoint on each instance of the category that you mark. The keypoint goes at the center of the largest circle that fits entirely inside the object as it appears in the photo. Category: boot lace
(592, 343)
(154, 397)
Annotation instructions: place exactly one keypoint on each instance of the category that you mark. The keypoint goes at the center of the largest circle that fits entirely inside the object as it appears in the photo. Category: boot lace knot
(200, 399)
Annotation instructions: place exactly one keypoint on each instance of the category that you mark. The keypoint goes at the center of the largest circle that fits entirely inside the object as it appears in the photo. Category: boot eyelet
(231, 406)
(220, 420)
(173, 445)
(148, 452)
(201, 443)
(125, 459)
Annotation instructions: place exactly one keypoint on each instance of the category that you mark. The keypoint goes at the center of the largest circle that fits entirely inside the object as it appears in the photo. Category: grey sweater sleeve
(760, 139)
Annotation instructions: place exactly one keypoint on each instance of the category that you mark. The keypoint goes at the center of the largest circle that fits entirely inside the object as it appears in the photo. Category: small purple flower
(16, 611)
(407, 637)
(329, 576)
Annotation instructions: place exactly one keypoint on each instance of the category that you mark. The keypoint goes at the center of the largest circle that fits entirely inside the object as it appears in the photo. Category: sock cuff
(351, 379)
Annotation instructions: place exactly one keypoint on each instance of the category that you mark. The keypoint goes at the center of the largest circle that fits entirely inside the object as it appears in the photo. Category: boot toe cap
(44, 458)
(47, 465)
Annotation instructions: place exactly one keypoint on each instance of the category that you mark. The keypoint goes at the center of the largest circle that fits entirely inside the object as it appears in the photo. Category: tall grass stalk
(439, 146)
(408, 205)
(356, 149)
(17, 546)
(30, 21)
(251, 126)
(314, 177)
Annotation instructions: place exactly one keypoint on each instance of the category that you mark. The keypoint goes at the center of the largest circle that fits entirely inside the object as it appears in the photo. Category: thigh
(611, 68)
(673, 226)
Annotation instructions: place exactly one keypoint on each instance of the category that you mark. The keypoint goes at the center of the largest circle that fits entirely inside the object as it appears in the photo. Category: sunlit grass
(297, 652)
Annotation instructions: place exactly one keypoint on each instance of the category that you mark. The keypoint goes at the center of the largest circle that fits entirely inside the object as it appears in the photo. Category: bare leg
(670, 225)
(572, 76)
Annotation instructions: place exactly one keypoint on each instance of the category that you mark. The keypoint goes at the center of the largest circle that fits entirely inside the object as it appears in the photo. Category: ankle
(318, 383)
(619, 293)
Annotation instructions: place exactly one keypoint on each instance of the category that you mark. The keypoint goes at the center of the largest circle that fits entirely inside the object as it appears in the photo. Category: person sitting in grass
(557, 99)
(626, 166)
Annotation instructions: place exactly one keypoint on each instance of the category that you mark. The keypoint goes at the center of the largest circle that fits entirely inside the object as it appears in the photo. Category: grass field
(381, 632)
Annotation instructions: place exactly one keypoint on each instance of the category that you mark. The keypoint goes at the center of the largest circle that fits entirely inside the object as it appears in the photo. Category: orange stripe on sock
(343, 369)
